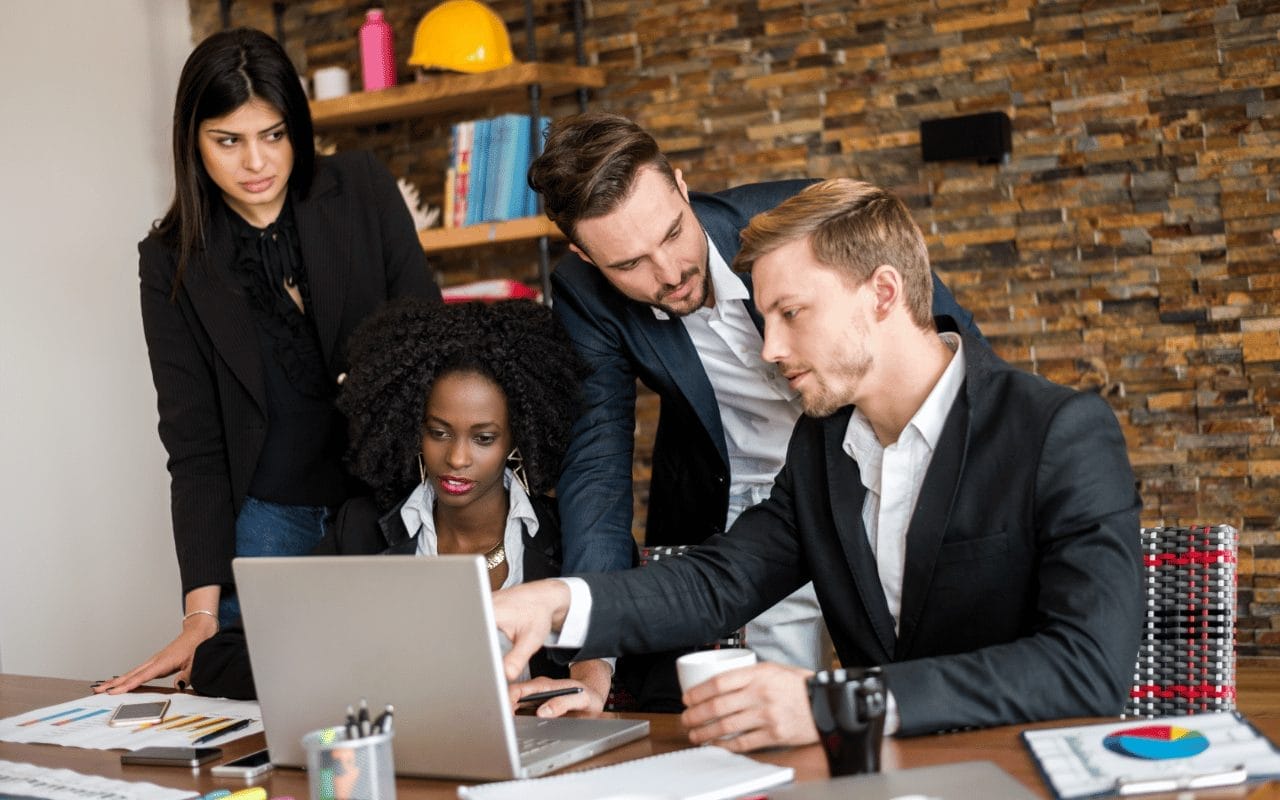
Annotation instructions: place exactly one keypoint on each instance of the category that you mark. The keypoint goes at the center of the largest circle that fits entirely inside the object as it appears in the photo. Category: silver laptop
(964, 780)
(417, 633)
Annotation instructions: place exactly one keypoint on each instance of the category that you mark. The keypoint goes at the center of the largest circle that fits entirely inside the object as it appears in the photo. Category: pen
(383, 723)
(353, 729)
(235, 726)
(1228, 777)
(364, 717)
(542, 697)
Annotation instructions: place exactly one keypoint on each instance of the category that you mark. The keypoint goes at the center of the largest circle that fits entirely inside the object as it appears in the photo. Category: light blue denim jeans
(272, 529)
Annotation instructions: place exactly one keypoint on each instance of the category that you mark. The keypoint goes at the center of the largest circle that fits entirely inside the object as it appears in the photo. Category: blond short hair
(853, 227)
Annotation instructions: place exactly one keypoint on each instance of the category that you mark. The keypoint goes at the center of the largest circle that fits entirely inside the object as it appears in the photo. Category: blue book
(519, 183)
(479, 172)
(516, 163)
(502, 156)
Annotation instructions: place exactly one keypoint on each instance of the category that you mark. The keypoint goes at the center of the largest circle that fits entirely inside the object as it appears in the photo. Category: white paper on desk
(83, 722)
(28, 780)
(1076, 762)
(699, 773)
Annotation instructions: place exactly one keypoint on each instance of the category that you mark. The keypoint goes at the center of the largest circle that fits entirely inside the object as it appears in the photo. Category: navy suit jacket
(1022, 594)
(360, 250)
(621, 340)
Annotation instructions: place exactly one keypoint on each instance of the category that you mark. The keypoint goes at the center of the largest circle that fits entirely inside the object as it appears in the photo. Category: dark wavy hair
(589, 166)
(223, 72)
(397, 354)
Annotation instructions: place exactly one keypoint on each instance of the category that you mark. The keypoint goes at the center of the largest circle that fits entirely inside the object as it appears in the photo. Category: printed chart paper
(1095, 760)
(83, 723)
(28, 780)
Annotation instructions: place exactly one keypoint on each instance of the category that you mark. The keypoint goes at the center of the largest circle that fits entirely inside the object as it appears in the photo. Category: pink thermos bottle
(377, 52)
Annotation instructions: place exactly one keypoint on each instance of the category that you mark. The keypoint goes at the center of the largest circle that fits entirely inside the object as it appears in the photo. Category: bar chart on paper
(83, 723)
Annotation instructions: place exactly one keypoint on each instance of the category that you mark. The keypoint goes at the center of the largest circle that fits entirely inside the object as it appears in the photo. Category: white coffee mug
(330, 82)
(694, 668)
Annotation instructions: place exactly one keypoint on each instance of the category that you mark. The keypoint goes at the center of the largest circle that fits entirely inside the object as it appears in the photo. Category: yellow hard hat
(461, 35)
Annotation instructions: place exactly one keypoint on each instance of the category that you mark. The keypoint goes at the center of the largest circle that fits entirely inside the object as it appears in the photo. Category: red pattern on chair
(1186, 661)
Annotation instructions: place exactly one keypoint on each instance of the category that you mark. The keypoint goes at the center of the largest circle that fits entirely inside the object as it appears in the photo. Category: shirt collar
(724, 282)
(860, 442)
(418, 511)
(932, 415)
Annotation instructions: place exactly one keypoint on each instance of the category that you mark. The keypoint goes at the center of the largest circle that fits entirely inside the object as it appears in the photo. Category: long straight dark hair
(225, 71)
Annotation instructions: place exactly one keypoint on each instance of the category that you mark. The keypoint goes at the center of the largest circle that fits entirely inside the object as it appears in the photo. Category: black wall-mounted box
(986, 138)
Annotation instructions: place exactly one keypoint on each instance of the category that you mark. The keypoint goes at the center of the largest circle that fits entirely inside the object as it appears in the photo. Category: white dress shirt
(893, 475)
(758, 408)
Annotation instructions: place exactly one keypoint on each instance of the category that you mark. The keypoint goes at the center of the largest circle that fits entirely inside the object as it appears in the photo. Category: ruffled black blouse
(301, 458)
(268, 259)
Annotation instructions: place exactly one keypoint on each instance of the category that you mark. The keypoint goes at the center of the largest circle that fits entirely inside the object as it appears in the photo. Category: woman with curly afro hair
(400, 353)
(458, 418)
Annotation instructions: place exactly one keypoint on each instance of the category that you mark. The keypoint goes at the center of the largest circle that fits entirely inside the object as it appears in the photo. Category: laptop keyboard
(529, 744)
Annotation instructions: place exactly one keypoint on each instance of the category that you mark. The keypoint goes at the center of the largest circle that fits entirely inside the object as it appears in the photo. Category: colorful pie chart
(1156, 742)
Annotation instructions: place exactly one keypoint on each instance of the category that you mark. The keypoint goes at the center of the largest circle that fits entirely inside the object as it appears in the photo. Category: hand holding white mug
(695, 668)
(747, 706)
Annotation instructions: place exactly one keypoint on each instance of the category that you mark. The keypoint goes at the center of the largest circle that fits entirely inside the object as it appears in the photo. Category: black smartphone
(250, 766)
(172, 756)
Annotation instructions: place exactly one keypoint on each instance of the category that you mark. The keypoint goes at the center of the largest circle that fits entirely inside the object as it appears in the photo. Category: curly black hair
(397, 354)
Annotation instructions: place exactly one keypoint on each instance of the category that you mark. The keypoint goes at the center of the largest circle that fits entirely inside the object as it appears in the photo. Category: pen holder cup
(339, 768)
(848, 711)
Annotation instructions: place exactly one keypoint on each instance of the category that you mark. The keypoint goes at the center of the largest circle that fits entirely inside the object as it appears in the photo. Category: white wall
(88, 578)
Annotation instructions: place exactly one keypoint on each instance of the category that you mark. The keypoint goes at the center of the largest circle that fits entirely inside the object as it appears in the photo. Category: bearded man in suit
(647, 294)
(969, 527)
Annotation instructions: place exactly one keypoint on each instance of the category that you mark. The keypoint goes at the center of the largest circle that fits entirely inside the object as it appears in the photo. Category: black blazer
(221, 665)
(621, 341)
(360, 250)
(1022, 595)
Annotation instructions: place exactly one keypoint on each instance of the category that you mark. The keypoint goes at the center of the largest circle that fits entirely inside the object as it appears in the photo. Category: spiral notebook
(699, 773)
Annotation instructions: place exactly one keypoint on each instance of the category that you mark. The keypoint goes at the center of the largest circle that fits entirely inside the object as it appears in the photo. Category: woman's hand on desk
(174, 657)
(593, 677)
(764, 705)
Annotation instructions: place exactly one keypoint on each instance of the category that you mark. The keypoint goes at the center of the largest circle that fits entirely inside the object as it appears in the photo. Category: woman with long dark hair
(266, 261)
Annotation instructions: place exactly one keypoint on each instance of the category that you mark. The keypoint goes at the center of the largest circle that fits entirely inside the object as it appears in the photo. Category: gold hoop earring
(515, 463)
(422, 469)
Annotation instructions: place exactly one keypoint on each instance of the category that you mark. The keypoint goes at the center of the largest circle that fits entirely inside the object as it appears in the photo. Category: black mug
(848, 710)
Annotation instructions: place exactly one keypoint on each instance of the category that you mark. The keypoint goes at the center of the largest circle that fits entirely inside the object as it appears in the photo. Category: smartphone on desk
(138, 713)
(172, 756)
(250, 766)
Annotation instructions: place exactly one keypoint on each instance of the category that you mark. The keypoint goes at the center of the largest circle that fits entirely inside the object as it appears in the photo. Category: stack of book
(486, 180)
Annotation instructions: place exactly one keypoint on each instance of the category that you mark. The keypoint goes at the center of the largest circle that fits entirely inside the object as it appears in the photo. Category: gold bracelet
(217, 624)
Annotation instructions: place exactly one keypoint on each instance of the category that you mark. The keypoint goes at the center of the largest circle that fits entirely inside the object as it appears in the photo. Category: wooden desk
(1258, 683)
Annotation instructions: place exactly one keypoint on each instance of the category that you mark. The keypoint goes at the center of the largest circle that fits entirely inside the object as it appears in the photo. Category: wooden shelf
(516, 230)
(453, 92)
